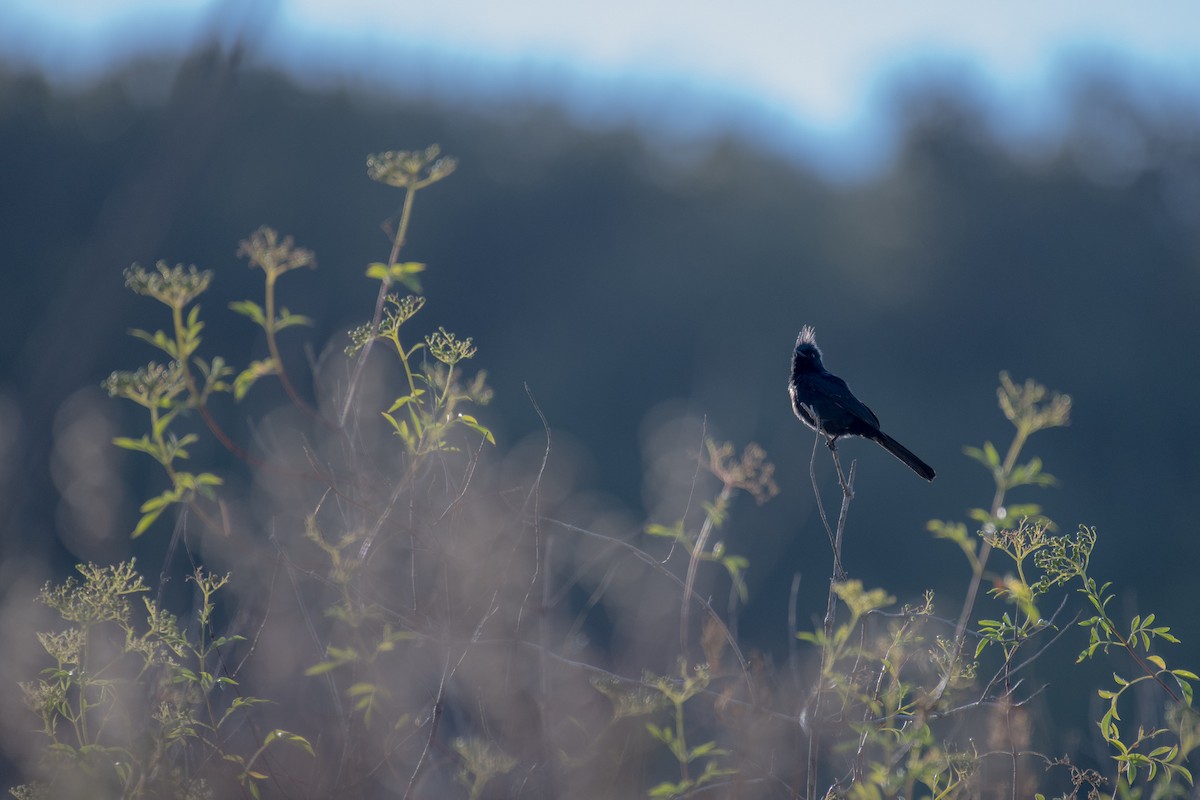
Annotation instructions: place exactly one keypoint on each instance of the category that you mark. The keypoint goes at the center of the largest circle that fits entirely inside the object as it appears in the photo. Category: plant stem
(985, 550)
(273, 346)
(697, 550)
(397, 243)
(680, 741)
(197, 400)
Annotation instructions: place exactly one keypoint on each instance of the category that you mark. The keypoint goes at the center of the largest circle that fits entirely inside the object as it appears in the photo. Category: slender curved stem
(397, 243)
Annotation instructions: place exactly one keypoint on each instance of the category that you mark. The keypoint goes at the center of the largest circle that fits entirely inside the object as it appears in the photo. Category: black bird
(816, 391)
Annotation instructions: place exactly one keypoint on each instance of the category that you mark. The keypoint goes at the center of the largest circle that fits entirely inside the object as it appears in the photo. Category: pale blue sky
(815, 64)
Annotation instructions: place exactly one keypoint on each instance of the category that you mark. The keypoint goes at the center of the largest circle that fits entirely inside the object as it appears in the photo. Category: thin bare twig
(839, 573)
(689, 582)
(534, 499)
(397, 243)
(846, 482)
(812, 476)
(793, 630)
(685, 608)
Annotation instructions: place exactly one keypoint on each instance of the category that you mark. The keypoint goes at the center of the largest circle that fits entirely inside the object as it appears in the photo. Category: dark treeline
(625, 278)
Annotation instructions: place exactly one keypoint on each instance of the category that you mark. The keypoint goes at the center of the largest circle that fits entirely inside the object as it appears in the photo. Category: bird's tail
(904, 454)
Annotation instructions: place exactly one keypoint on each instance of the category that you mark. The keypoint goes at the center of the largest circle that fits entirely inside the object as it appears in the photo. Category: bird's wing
(840, 393)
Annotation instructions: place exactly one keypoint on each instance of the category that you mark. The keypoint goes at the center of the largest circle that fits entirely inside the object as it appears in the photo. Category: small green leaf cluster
(1030, 408)
(482, 761)
(188, 382)
(108, 653)
(425, 416)
(877, 672)
(1103, 635)
(1040, 562)
(1064, 560)
(1019, 544)
(365, 624)
(404, 273)
(426, 413)
(751, 473)
(265, 250)
(655, 693)
(158, 389)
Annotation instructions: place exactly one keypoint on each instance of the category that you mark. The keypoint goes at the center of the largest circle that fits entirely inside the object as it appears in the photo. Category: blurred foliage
(613, 269)
(132, 696)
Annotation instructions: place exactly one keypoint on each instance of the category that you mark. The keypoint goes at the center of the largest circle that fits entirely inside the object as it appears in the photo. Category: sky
(815, 65)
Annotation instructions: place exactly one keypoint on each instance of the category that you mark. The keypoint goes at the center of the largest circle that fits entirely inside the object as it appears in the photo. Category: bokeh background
(651, 200)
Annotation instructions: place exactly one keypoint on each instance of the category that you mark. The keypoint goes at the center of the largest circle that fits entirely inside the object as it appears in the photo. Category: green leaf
(673, 532)
(159, 502)
(322, 668)
(406, 399)
(405, 273)
(735, 562)
(706, 749)
(286, 320)
(159, 339)
(473, 424)
(145, 522)
(1023, 510)
(248, 376)
(143, 445)
(250, 309)
(194, 325)
(400, 429)
(337, 657)
(160, 425)
(208, 479)
(294, 739)
(980, 516)
(667, 790)
(664, 734)
(184, 441)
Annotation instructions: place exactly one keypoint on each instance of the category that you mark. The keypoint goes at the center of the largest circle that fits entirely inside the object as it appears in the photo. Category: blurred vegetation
(624, 279)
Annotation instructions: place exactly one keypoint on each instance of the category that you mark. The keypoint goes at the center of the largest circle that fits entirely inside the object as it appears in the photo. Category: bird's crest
(808, 335)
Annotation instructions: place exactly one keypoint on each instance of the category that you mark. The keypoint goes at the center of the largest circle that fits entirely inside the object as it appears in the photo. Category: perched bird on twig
(825, 403)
